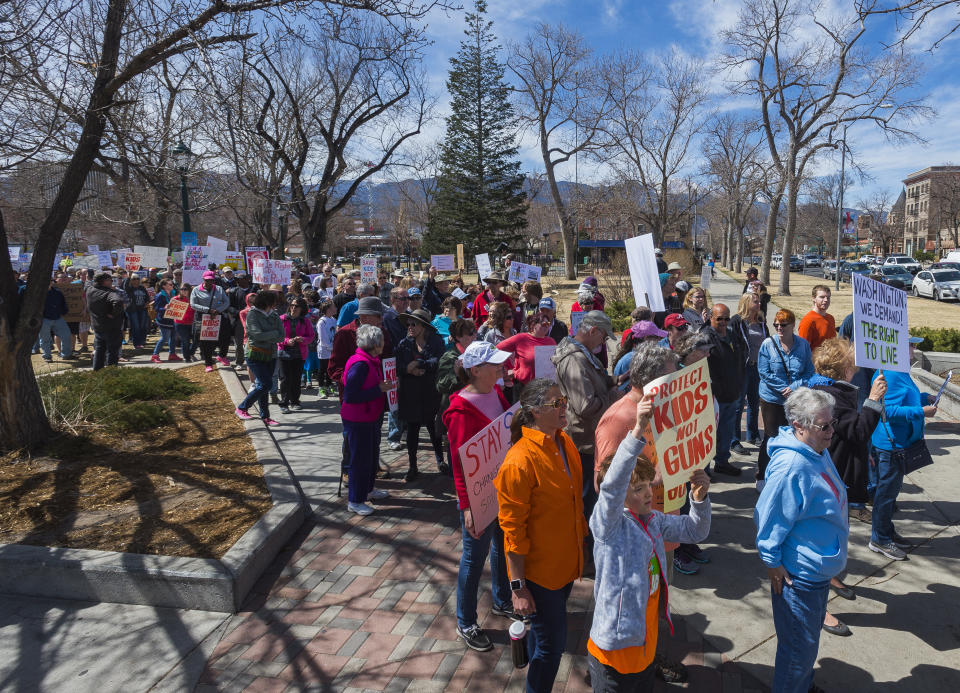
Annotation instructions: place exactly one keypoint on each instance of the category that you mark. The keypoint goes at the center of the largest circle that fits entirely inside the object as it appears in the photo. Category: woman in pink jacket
(298, 334)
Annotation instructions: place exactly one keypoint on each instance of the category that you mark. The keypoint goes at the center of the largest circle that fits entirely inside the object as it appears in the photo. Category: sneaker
(360, 508)
(284, 409)
(396, 445)
(684, 565)
(222, 361)
(474, 638)
(270, 422)
(506, 611)
(71, 357)
(739, 449)
(156, 358)
(669, 671)
(901, 542)
(891, 550)
(48, 359)
(296, 407)
(377, 494)
(861, 514)
(323, 393)
(208, 369)
(757, 441)
(174, 357)
(694, 553)
(242, 413)
(728, 469)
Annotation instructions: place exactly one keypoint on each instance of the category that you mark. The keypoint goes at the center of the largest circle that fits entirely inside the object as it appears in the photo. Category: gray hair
(586, 296)
(365, 289)
(803, 406)
(369, 337)
(649, 363)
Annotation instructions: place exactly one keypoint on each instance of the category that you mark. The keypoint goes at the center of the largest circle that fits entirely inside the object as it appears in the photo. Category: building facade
(931, 210)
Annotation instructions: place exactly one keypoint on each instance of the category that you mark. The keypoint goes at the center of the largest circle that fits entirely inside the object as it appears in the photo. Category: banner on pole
(481, 457)
(176, 309)
(643, 272)
(272, 271)
(684, 428)
(390, 375)
(880, 330)
(443, 263)
(210, 328)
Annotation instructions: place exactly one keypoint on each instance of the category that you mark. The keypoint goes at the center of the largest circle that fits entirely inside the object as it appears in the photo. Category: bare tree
(914, 14)
(810, 89)
(562, 99)
(817, 214)
(878, 206)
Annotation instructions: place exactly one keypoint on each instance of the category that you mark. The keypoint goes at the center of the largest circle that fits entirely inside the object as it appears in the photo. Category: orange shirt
(816, 328)
(541, 508)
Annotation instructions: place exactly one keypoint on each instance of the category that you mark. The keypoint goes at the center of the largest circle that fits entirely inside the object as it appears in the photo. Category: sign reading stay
(481, 457)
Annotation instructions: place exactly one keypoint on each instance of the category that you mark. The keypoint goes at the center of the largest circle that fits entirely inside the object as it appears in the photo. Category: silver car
(938, 284)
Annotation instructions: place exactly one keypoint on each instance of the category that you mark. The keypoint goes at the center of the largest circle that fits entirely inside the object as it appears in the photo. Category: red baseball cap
(675, 320)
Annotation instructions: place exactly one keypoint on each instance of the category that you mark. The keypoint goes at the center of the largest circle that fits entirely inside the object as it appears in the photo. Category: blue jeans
(749, 396)
(363, 439)
(139, 322)
(797, 616)
(185, 335)
(262, 373)
(548, 636)
(889, 481)
(472, 560)
(167, 338)
(395, 427)
(51, 328)
(725, 428)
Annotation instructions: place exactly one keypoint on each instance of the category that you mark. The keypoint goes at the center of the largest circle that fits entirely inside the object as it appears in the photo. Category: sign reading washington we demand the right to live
(880, 325)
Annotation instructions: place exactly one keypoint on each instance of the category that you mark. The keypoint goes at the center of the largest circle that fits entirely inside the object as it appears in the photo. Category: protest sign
(73, 293)
(459, 293)
(521, 272)
(151, 255)
(90, 262)
(480, 458)
(234, 259)
(216, 249)
(460, 264)
(643, 272)
(131, 261)
(106, 258)
(575, 319)
(187, 238)
(176, 309)
(177, 257)
(194, 264)
(93, 249)
(684, 427)
(390, 375)
(880, 325)
(705, 277)
(368, 269)
(542, 365)
(329, 291)
(25, 259)
(14, 253)
(443, 263)
(252, 252)
(210, 328)
(483, 265)
(272, 271)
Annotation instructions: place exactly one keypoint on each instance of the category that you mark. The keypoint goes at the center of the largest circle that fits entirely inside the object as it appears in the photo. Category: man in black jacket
(106, 319)
(727, 350)
(558, 328)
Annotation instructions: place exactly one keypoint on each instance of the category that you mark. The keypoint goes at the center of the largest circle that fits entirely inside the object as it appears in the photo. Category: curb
(205, 584)
(950, 401)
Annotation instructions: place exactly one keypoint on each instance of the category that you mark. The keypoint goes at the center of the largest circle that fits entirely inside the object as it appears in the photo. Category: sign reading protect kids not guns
(684, 427)
(880, 332)
(481, 457)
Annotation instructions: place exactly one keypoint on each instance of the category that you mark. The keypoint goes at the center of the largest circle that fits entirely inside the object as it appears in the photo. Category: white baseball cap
(479, 353)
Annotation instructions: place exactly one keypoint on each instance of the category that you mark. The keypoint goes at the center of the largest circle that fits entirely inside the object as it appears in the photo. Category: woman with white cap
(471, 410)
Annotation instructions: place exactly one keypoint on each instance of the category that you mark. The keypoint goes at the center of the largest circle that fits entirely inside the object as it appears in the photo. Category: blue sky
(693, 26)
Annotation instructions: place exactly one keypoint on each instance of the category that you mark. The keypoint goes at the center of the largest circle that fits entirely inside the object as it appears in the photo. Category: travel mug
(518, 644)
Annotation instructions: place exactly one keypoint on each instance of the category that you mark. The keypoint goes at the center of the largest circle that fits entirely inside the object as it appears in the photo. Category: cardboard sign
(705, 277)
(187, 238)
(210, 328)
(483, 265)
(643, 272)
(216, 249)
(131, 262)
(442, 262)
(368, 269)
(542, 364)
(272, 271)
(684, 428)
(880, 332)
(176, 309)
(76, 306)
(521, 272)
(460, 263)
(390, 375)
(151, 255)
(481, 457)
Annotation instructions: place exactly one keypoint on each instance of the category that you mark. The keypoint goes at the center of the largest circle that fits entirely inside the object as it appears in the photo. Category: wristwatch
(516, 585)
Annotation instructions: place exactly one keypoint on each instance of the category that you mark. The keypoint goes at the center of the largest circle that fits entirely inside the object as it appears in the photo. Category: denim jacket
(772, 377)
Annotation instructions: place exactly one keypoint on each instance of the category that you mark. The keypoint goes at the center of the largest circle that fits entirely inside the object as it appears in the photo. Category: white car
(811, 260)
(938, 284)
(829, 269)
(776, 261)
(904, 261)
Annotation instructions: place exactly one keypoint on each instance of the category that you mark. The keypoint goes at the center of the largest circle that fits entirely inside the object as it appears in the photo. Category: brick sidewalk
(369, 603)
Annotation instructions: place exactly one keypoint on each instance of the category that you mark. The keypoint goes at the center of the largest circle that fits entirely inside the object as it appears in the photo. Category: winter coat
(106, 309)
(726, 362)
(264, 330)
(203, 301)
(588, 389)
(419, 399)
(303, 328)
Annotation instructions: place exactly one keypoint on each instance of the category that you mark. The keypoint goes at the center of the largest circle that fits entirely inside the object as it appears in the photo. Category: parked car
(851, 268)
(908, 263)
(899, 273)
(776, 261)
(944, 265)
(829, 269)
(811, 260)
(938, 284)
(869, 259)
(796, 263)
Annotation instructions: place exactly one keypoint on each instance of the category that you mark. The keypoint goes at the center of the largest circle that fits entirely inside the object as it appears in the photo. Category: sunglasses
(824, 427)
(559, 402)
(782, 324)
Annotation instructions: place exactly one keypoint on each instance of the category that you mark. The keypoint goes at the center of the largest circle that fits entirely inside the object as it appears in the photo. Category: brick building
(932, 209)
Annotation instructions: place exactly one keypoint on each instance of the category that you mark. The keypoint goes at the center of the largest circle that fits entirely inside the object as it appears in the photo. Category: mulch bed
(191, 488)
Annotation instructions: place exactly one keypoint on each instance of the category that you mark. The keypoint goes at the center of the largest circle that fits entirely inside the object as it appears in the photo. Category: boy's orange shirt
(816, 328)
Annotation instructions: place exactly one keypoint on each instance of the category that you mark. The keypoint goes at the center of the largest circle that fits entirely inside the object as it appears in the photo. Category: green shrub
(619, 312)
(138, 416)
(937, 339)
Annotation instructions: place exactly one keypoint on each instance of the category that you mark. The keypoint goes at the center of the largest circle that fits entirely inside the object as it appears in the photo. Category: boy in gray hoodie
(629, 555)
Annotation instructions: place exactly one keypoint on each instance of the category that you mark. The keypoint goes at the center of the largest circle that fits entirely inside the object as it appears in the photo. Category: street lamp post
(843, 166)
(181, 160)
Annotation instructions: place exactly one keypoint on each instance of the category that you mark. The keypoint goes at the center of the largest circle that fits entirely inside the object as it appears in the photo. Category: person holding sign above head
(541, 515)
(818, 325)
(630, 560)
(897, 441)
(492, 294)
(472, 409)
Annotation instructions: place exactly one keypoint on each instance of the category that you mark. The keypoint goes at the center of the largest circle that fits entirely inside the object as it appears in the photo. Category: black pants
(413, 441)
(106, 348)
(324, 378)
(773, 418)
(606, 679)
(290, 370)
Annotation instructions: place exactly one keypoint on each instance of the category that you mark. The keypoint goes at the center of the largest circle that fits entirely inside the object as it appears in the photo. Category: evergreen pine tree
(480, 200)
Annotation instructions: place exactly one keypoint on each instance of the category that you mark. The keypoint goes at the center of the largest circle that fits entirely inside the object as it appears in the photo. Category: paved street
(357, 604)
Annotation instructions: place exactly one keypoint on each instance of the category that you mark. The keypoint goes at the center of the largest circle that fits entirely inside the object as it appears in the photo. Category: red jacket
(345, 346)
(480, 303)
(463, 421)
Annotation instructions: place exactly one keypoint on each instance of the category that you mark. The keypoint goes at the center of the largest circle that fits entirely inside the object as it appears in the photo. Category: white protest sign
(575, 319)
(880, 331)
(643, 272)
(521, 272)
(216, 249)
(151, 255)
(390, 375)
(90, 262)
(368, 269)
(210, 328)
(131, 261)
(542, 365)
(177, 256)
(684, 428)
(93, 249)
(13, 251)
(194, 264)
(459, 293)
(272, 271)
(444, 263)
(705, 277)
(24, 260)
(329, 291)
(483, 265)
(480, 458)
(106, 258)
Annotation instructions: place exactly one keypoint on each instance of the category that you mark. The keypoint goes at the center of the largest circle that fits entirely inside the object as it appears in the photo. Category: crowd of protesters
(579, 492)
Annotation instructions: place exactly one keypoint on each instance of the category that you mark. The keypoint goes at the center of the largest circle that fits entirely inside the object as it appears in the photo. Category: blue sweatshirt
(801, 515)
(772, 377)
(904, 407)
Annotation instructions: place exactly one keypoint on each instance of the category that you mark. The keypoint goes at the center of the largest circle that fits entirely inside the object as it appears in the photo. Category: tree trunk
(23, 420)
(792, 193)
(771, 234)
(314, 238)
(739, 241)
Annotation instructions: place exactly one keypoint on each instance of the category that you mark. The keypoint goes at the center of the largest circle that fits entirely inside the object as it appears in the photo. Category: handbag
(915, 457)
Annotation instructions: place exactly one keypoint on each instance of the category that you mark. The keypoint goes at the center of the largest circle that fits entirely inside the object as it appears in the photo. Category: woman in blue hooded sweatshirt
(802, 530)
